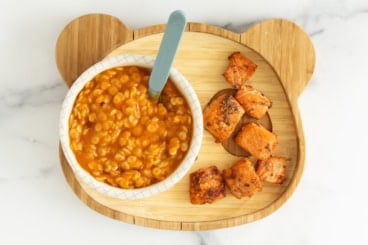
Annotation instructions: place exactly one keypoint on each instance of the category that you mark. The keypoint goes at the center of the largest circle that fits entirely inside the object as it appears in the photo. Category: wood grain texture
(86, 40)
(142, 32)
(214, 30)
(202, 58)
(291, 52)
(292, 55)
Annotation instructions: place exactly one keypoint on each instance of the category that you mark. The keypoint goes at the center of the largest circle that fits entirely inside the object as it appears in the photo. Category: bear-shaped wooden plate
(285, 58)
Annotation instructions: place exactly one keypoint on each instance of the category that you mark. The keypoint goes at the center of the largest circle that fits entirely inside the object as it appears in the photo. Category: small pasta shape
(122, 137)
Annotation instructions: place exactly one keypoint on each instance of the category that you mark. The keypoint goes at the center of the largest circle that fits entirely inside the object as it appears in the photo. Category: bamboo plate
(285, 58)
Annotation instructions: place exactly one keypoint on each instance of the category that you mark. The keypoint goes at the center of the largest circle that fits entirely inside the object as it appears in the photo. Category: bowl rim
(184, 87)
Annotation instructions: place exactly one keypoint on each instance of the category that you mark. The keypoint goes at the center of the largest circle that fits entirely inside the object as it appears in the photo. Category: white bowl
(184, 87)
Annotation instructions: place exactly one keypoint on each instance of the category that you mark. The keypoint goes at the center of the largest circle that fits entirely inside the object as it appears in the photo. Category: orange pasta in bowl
(112, 131)
(124, 138)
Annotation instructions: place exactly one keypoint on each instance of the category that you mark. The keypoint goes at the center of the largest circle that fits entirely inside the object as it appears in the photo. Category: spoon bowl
(185, 89)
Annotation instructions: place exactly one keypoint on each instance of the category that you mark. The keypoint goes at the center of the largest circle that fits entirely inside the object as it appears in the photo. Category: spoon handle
(166, 53)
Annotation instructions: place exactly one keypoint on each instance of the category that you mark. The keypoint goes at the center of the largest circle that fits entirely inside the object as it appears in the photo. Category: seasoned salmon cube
(272, 170)
(221, 116)
(239, 70)
(253, 101)
(242, 179)
(257, 140)
(206, 185)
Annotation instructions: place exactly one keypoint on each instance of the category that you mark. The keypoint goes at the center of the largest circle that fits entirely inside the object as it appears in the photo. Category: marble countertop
(330, 204)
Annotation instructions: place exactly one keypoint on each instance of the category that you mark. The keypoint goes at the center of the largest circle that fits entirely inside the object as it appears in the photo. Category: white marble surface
(330, 204)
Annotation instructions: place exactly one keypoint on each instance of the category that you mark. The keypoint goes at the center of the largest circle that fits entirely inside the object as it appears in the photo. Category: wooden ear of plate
(288, 51)
(85, 41)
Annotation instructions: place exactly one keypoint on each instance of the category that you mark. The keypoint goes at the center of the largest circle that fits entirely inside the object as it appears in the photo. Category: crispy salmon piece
(272, 170)
(240, 69)
(253, 101)
(206, 185)
(221, 116)
(257, 140)
(242, 179)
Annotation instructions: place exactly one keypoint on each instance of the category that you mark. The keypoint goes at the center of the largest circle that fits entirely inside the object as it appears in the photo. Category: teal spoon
(166, 53)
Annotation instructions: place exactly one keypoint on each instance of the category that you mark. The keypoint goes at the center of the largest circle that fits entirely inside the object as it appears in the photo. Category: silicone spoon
(166, 53)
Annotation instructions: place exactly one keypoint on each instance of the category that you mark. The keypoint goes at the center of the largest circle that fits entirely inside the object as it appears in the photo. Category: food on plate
(272, 170)
(239, 70)
(257, 140)
(121, 136)
(242, 179)
(206, 185)
(223, 118)
(253, 101)
(221, 115)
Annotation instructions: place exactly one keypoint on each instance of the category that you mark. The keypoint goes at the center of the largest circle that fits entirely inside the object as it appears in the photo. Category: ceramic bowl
(197, 131)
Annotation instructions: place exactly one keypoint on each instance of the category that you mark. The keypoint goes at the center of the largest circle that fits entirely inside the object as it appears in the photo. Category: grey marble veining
(33, 97)
(38, 206)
